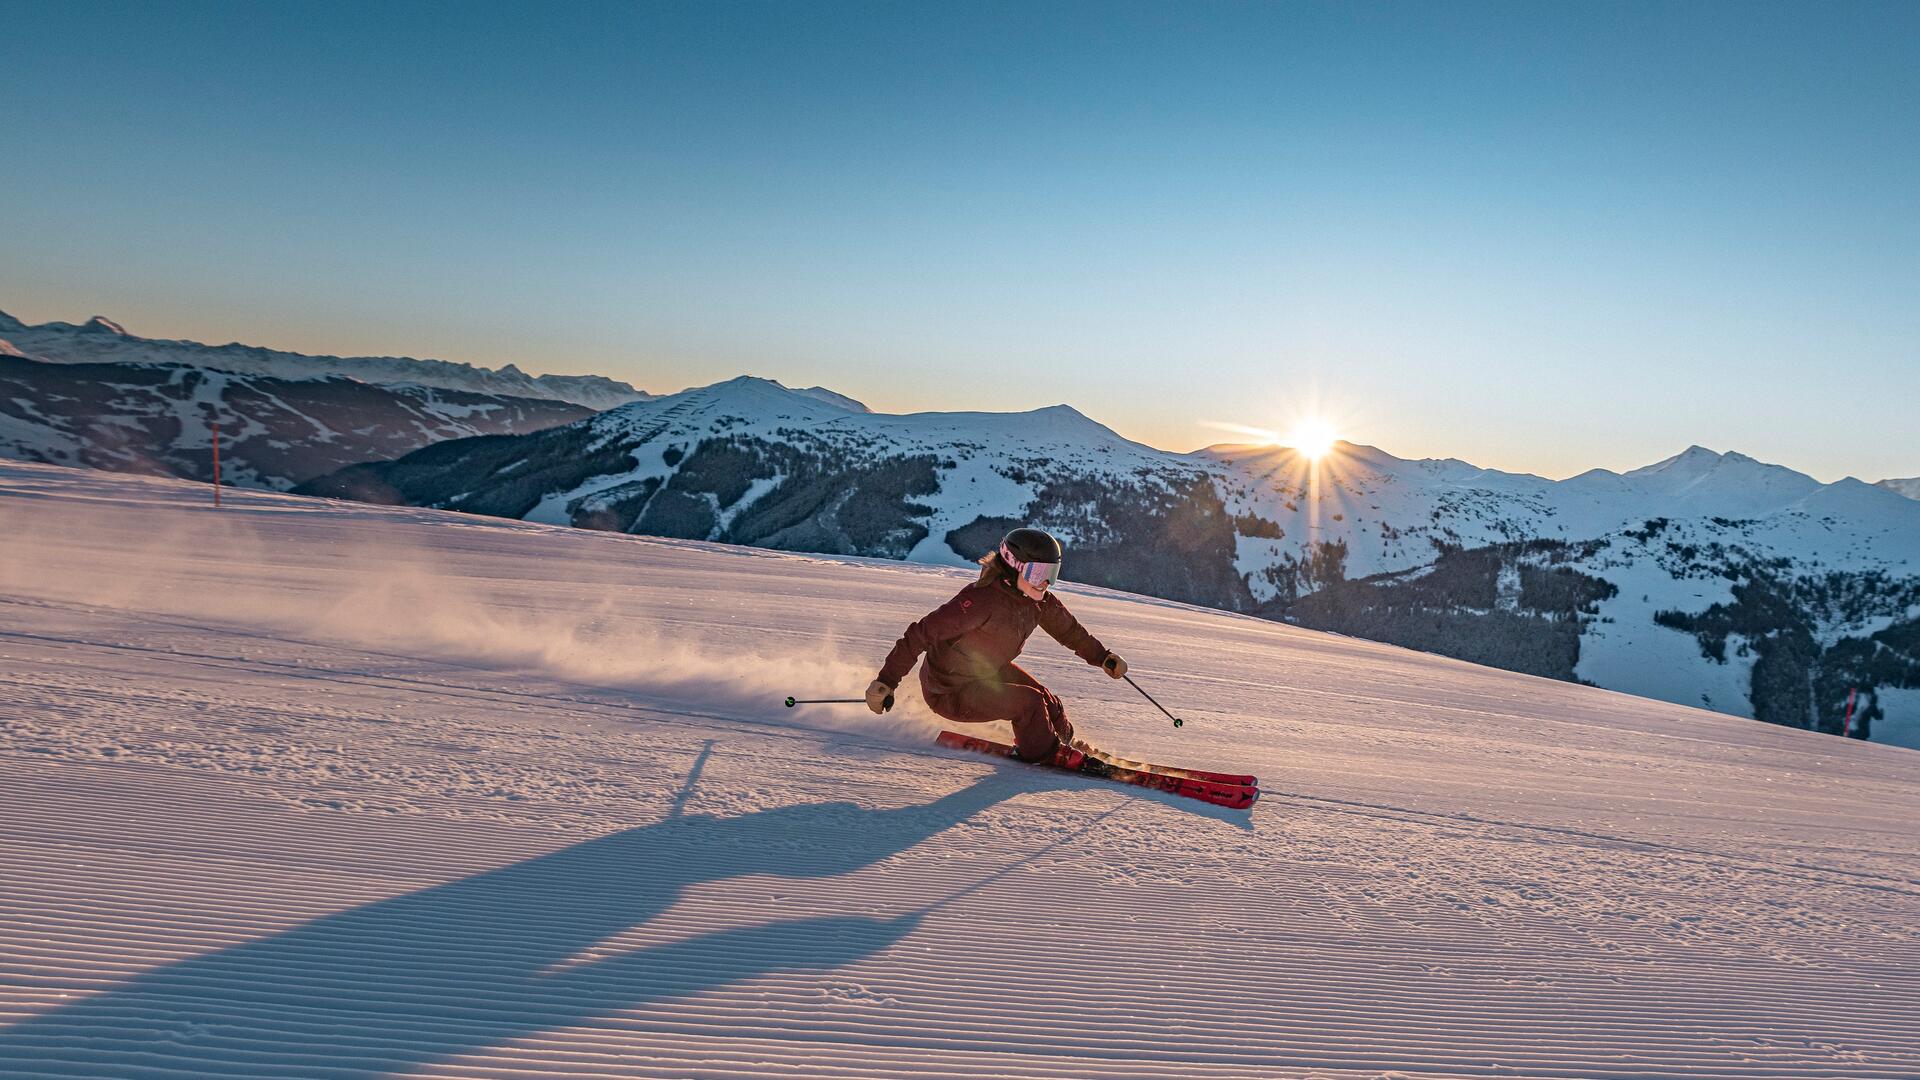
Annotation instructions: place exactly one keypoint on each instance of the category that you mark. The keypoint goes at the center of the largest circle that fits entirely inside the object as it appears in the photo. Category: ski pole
(1177, 722)
(791, 702)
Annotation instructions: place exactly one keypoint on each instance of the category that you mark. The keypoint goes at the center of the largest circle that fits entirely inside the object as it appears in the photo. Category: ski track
(304, 789)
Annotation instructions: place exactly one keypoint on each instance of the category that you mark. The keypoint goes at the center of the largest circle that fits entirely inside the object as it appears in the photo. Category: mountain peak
(100, 324)
(1702, 482)
(741, 382)
(1066, 418)
(1909, 487)
(1696, 462)
(842, 401)
(754, 391)
(10, 325)
(757, 387)
(1695, 458)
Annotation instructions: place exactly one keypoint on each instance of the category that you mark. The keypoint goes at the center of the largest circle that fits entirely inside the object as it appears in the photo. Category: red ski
(1233, 796)
(1235, 779)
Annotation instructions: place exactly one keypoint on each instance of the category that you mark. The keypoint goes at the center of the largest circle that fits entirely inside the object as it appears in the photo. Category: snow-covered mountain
(1708, 578)
(1424, 503)
(275, 432)
(1909, 487)
(100, 340)
(753, 462)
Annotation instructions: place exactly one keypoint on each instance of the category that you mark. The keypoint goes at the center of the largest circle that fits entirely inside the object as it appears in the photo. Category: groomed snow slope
(309, 789)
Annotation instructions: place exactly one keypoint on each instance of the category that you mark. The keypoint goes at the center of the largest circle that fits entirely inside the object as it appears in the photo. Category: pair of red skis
(1232, 790)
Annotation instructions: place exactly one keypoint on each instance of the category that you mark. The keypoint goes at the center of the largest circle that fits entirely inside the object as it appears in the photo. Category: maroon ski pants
(1039, 720)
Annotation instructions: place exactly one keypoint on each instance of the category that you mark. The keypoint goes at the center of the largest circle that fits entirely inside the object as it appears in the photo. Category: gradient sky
(1540, 237)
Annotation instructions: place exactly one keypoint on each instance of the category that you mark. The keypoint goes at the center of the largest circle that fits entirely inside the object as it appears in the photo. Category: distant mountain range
(1909, 487)
(100, 340)
(1708, 578)
(94, 395)
(275, 433)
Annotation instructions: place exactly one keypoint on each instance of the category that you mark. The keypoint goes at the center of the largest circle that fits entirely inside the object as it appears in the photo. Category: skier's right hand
(879, 697)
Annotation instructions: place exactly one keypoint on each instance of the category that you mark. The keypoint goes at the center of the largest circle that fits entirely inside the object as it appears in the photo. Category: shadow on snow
(451, 969)
(473, 963)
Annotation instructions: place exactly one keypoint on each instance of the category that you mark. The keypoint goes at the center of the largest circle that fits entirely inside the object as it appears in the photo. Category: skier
(971, 641)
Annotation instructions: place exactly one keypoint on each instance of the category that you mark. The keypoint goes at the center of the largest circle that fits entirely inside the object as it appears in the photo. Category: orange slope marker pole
(1846, 732)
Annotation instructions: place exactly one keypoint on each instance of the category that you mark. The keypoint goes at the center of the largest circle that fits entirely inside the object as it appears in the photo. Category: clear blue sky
(1540, 237)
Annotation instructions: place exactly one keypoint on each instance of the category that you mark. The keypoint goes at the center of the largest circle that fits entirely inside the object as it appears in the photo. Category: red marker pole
(216, 464)
(1846, 732)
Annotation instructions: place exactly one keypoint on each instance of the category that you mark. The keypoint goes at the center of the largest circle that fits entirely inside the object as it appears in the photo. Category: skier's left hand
(1115, 667)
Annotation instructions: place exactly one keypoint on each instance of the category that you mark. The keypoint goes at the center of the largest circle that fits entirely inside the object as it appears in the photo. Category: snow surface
(303, 788)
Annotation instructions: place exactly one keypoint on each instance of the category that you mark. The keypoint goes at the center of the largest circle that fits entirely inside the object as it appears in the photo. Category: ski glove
(879, 697)
(1115, 666)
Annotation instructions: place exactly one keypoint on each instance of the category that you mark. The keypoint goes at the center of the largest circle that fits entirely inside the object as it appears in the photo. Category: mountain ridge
(1696, 482)
(101, 340)
(275, 433)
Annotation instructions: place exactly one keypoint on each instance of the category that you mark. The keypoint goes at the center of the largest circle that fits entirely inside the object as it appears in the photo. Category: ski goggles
(1037, 575)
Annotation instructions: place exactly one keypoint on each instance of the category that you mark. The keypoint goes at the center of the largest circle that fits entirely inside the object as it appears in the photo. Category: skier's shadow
(423, 977)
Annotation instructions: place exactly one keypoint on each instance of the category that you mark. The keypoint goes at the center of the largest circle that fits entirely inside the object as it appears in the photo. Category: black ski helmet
(1033, 545)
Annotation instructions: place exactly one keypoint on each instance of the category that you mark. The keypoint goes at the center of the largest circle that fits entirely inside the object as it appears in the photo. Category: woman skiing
(971, 642)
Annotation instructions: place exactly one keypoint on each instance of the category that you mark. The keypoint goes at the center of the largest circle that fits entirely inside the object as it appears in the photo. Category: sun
(1313, 436)
(1312, 439)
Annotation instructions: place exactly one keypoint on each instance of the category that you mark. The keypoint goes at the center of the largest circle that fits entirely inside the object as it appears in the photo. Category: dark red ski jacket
(981, 630)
